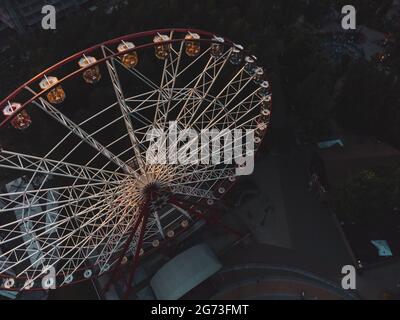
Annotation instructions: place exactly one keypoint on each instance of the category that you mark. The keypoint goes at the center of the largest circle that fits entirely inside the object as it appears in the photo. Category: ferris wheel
(78, 193)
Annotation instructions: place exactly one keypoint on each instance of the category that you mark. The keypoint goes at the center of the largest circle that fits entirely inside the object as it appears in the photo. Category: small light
(170, 233)
(217, 47)
(184, 223)
(236, 54)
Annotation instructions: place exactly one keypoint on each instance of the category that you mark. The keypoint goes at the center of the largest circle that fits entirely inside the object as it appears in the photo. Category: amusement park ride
(90, 203)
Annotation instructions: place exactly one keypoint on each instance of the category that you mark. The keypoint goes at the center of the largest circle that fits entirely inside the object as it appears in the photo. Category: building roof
(184, 272)
(356, 155)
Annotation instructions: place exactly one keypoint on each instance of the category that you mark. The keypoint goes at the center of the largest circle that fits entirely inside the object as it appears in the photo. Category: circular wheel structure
(80, 194)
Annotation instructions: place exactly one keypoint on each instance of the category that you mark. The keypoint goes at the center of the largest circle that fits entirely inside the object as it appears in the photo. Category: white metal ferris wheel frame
(101, 184)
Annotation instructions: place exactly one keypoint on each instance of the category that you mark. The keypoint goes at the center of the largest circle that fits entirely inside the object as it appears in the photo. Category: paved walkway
(265, 215)
(265, 281)
(380, 282)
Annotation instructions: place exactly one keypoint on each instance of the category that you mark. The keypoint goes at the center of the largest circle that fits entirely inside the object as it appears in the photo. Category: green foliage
(369, 103)
(310, 80)
(368, 197)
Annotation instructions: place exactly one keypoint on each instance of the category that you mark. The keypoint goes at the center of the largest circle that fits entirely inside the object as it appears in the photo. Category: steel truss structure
(88, 201)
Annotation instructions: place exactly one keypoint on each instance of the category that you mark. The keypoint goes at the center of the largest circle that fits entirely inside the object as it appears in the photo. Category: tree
(369, 103)
(369, 197)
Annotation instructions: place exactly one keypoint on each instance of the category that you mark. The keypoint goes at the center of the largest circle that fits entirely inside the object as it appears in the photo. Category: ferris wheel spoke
(242, 125)
(172, 68)
(182, 211)
(152, 99)
(191, 191)
(158, 224)
(92, 250)
(201, 173)
(226, 131)
(130, 244)
(125, 111)
(117, 240)
(203, 82)
(142, 97)
(234, 110)
(56, 221)
(44, 197)
(179, 93)
(56, 208)
(86, 165)
(137, 251)
(88, 217)
(232, 84)
(212, 63)
(102, 206)
(139, 75)
(171, 73)
(118, 139)
(59, 144)
(77, 130)
(167, 77)
(31, 251)
(208, 173)
(24, 162)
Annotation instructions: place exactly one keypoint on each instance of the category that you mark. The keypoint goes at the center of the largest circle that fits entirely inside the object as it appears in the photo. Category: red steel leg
(212, 220)
(137, 254)
(115, 274)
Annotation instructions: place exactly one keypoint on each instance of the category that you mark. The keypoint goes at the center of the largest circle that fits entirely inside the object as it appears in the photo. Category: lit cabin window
(91, 75)
(184, 223)
(161, 50)
(22, 120)
(129, 60)
(55, 95)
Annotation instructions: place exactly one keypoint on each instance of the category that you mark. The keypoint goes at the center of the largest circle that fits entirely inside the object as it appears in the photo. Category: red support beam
(115, 274)
(187, 205)
(137, 253)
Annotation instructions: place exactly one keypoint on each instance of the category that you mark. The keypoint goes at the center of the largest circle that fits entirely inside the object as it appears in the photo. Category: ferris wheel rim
(79, 54)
